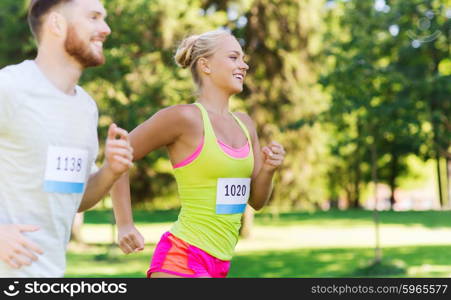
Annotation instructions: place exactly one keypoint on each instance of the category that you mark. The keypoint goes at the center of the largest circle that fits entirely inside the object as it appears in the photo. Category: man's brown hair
(36, 10)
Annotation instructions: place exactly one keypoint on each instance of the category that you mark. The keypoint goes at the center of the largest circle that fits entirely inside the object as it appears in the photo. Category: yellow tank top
(213, 191)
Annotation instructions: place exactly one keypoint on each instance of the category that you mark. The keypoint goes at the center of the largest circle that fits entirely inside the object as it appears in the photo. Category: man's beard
(82, 53)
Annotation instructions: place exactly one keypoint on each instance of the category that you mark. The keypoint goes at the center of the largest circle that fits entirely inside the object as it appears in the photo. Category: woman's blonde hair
(196, 46)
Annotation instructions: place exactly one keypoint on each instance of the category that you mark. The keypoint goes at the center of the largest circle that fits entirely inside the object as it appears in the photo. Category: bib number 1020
(72, 164)
(235, 190)
(232, 195)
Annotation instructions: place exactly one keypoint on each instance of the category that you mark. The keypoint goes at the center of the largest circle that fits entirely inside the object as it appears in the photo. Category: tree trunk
(377, 248)
(247, 221)
(356, 200)
(348, 199)
(392, 180)
(358, 171)
(448, 178)
(439, 180)
(353, 192)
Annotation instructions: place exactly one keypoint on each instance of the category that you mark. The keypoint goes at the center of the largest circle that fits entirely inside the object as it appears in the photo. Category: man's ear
(56, 24)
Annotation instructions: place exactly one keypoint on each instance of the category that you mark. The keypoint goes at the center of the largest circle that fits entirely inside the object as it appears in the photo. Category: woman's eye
(233, 57)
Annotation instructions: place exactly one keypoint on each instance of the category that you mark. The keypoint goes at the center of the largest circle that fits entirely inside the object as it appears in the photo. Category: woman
(217, 161)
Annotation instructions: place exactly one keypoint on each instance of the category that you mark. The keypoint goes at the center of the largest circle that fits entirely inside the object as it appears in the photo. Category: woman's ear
(204, 65)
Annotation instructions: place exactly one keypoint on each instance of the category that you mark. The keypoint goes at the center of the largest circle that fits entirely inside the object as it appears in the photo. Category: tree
(140, 76)
(375, 86)
(283, 41)
(16, 41)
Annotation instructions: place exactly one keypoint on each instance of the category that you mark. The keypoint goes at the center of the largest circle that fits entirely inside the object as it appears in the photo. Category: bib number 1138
(66, 169)
(71, 164)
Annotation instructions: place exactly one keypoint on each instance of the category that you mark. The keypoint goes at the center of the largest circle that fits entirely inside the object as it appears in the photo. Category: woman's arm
(162, 129)
(266, 162)
(129, 238)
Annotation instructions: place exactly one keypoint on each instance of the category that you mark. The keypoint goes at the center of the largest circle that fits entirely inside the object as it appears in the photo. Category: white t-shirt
(48, 147)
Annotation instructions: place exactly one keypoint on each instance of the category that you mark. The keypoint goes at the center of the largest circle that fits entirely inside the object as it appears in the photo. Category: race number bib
(232, 195)
(66, 170)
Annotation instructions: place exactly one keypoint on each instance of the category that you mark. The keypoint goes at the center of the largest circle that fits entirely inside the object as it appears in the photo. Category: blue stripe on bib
(230, 208)
(63, 187)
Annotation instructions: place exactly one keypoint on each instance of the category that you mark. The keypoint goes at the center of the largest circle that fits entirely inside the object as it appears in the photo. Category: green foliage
(16, 42)
(282, 93)
(328, 80)
(141, 77)
(385, 87)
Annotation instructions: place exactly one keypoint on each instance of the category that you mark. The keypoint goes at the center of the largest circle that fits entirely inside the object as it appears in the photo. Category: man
(48, 139)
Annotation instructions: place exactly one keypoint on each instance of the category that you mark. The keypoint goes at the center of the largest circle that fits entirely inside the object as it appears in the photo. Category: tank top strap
(208, 129)
(244, 128)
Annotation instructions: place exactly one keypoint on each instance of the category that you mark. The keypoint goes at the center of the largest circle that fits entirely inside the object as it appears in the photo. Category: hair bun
(184, 52)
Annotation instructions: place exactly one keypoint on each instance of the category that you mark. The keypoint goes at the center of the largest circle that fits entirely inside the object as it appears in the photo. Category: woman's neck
(215, 101)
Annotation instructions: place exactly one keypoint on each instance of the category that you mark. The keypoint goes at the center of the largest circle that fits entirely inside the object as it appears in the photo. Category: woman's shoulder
(245, 118)
(183, 113)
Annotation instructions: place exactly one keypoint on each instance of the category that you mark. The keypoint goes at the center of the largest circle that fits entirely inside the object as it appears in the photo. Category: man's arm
(5, 101)
(15, 249)
(118, 159)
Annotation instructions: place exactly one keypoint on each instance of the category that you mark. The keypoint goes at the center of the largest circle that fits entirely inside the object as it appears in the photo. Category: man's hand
(130, 240)
(118, 152)
(15, 249)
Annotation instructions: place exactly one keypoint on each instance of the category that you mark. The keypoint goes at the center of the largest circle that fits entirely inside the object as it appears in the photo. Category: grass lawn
(321, 244)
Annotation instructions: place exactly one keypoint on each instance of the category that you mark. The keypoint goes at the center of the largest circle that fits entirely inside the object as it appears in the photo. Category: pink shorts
(174, 256)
